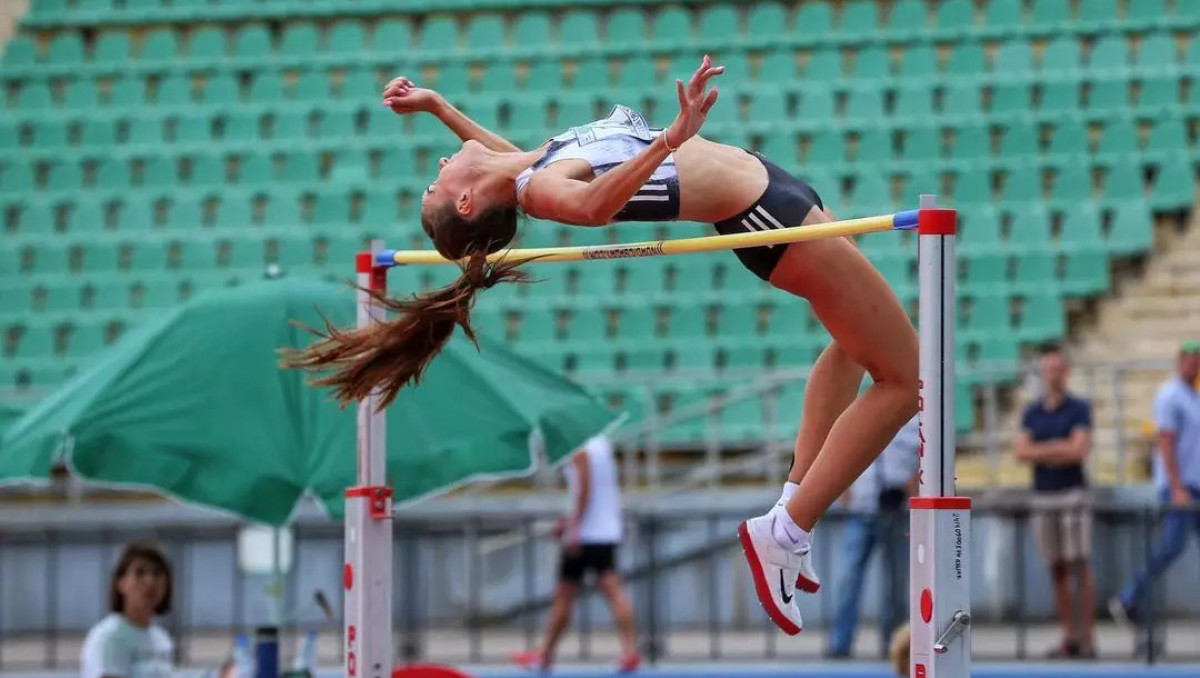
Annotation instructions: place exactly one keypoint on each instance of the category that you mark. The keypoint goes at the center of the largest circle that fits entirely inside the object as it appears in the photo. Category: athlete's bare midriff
(716, 181)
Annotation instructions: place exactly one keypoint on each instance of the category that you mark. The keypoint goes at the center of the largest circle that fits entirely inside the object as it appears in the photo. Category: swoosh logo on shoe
(783, 589)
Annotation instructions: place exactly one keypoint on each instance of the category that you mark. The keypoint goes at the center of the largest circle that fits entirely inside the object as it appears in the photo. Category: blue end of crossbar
(385, 258)
(905, 219)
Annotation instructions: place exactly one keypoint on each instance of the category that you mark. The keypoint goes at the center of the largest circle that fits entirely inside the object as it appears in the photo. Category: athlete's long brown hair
(396, 352)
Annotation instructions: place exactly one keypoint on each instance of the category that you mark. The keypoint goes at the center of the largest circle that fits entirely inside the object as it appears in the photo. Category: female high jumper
(619, 168)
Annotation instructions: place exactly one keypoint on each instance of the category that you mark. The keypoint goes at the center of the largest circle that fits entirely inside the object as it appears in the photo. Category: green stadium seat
(637, 74)
(824, 65)
(532, 28)
(112, 48)
(908, 19)
(1157, 55)
(65, 49)
(1003, 17)
(357, 83)
(1053, 16)
(1062, 58)
(332, 207)
(1041, 318)
(34, 219)
(954, 17)
(87, 215)
(1097, 16)
(1124, 182)
(872, 63)
(1132, 230)
(717, 23)
(160, 172)
(1061, 99)
(85, 340)
(966, 60)
(1068, 146)
(127, 92)
(206, 170)
(769, 108)
(672, 26)
(1110, 56)
(1086, 273)
(874, 146)
(1013, 59)
(625, 27)
(255, 168)
(814, 18)
(16, 177)
(919, 62)
(767, 22)
(1011, 100)
(1029, 227)
(393, 36)
(234, 212)
(147, 256)
(778, 66)
(971, 143)
(113, 174)
(301, 167)
(1118, 141)
(49, 134)
(545, 76)
(1108, 98)
(1146, 14)
(36, 341)
(197, 255)
(221, 88)
(987, 273)
(859, 18)
(267, 88)
(578, 30)
(21, 50)
(827, 147)
(159, 44)
(290, 125)
(453, 79)
(192, 128)
(283, 211)
(336, 124)
(990, 313)
(9, 138)
(962, 101)
(1036, 271)
(66, 175)
(299, 39)
(134, 215)
(1160, 94)
(1072, 184)
(207, 43)
(347, 36)
(499, 77)
(864, 103)
(1168, 143)
(172, 90)
(485, 33)
(1081, 229)
(107, 295)
(185, 213)
(1019, 143)
(438, 35)
(34, 96)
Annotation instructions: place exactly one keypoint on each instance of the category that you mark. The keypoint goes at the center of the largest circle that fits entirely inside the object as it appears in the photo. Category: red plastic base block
(428, 671)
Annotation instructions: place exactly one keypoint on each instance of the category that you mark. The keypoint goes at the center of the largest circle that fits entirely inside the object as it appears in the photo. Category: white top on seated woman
(127, 643)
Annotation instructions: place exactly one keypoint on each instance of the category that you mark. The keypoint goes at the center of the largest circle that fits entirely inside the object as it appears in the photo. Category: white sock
(789, 489)
(787, 533)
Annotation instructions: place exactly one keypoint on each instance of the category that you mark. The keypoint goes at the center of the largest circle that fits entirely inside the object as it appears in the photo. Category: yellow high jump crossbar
(653, 248)
(939, 528)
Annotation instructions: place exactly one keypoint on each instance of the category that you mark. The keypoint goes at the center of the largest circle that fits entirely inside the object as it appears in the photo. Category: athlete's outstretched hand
(402, 96)
(695, 101)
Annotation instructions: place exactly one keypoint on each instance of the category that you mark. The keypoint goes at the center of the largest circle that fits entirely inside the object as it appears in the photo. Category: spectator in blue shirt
(1176, 476)
(1056, 434)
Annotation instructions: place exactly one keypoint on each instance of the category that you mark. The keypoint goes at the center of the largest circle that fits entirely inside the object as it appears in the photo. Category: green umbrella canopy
(194, 405)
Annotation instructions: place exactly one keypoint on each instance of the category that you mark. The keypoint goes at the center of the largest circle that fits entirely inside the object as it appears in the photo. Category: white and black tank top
(608, 142)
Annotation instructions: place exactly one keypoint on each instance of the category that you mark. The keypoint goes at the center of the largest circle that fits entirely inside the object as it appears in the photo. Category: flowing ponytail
(396, 352)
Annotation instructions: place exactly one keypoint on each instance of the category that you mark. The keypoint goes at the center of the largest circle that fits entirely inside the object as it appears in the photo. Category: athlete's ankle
(787, 533)
(789, 490)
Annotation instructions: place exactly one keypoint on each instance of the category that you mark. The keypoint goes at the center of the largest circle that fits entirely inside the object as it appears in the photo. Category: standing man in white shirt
(590, 535)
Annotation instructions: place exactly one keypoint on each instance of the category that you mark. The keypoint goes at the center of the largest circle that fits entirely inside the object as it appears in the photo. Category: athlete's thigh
(854, 302)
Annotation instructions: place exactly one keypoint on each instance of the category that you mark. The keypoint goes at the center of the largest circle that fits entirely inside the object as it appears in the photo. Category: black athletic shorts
(784, 204)
(598, 558)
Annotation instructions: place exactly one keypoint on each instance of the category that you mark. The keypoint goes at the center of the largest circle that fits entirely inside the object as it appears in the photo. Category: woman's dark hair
(140, 550)
(394, 353)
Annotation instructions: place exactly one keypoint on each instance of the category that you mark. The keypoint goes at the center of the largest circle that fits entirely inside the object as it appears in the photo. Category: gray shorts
(1062, 525)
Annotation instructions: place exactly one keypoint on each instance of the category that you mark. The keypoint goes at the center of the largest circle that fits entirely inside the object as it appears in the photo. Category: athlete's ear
(465, 202)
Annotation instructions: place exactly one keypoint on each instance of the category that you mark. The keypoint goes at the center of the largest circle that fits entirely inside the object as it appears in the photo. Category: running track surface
(860, 670)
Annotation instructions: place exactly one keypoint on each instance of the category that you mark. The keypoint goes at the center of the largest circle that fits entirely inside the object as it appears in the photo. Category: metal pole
(367, 575)
(939, 609)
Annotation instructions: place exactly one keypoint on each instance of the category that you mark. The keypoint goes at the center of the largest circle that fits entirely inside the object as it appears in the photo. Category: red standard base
(940, 503)
(428, 671)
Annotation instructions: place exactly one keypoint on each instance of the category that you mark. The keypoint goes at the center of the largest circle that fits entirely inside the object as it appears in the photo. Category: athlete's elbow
(595, 213)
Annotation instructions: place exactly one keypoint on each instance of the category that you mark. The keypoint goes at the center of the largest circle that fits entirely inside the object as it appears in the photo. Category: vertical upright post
(939, 595)
(367, 576)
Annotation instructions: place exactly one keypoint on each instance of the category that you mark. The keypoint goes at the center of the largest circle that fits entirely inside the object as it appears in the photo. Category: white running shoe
(807, 580)
(776, 571)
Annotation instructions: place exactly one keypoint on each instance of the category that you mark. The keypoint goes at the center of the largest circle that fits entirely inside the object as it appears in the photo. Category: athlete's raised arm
(402, 96)
(550, 195)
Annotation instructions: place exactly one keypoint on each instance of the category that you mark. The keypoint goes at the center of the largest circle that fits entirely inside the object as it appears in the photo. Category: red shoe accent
(629, 663)
(532, 660)
(807, 585)
(761, 587)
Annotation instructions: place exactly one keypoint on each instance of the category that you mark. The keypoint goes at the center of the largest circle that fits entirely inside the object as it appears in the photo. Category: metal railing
(457, 604)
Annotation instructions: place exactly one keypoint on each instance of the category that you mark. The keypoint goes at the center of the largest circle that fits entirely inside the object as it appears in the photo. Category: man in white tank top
(590, 535)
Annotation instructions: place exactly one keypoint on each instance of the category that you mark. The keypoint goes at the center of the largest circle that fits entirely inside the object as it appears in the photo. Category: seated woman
(621, 168)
